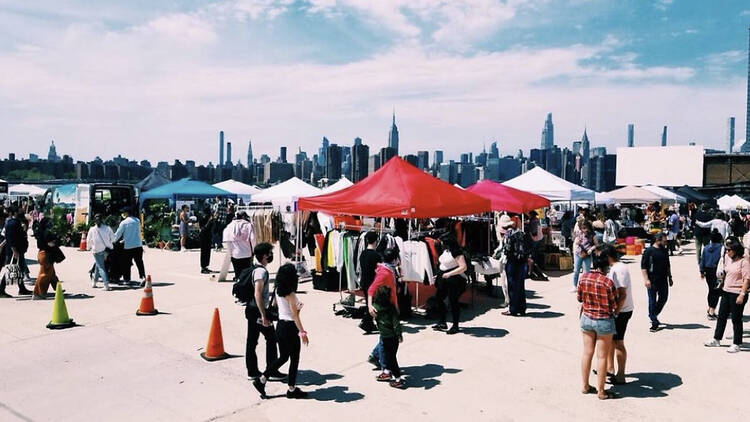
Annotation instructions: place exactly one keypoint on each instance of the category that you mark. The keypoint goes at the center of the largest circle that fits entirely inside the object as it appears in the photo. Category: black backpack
(517, 247)
(244, 288)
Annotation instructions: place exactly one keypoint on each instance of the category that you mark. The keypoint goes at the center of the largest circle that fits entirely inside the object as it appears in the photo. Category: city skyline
(158, 82)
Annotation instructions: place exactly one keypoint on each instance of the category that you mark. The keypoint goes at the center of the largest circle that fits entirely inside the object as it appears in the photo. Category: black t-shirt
(368, 261)
(656, 262)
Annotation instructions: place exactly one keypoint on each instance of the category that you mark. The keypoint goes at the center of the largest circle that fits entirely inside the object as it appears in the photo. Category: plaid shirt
(221, 213)
(598, 295)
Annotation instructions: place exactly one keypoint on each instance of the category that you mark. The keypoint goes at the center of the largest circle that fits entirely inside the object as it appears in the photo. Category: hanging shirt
(415, 261)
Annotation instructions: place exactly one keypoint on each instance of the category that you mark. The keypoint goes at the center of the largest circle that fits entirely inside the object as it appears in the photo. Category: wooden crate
(565, 262)
(551, 260)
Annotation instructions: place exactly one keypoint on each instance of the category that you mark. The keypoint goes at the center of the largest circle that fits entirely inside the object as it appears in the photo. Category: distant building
(730, 135)
(492, 169)
(468, 175)
(437, 158)
(221, 148)
(603, 172)
(333, 163)
(412, 159)
(282, 154)
(277, 172)
(423, 160)
(373, 164)
(52, 154)
(33, 158)
(360, 161)
(548, 133)
(448, 172)
(322, 152)
(393, 135)
(585, 147)
(249, 153)
(229, 155)
(494, 152)
(386, 154)
(631, 135)
(264, 158)
(664, 137)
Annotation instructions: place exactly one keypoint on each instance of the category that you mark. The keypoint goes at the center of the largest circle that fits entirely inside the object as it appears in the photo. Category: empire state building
(393, 135)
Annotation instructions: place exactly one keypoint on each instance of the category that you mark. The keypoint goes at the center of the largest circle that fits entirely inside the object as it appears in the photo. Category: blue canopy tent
(185, 190)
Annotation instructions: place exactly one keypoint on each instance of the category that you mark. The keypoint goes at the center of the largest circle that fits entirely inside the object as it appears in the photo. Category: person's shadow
(649, 385)
(684, 326)
(337, 394)
(426, 376)
(484, 332)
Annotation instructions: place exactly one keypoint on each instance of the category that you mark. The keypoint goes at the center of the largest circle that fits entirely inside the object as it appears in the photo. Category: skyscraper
(631, 135)
(548, 133)
(494, 152)
(585, 147)
(437, 158)
(52, 153)
(282, 154)
(249, 154)
(229, 154)
(730, 135)
(393, 135)
(423, 160)
(357, 141)
(221, 148)
(664, 137)
(322, 152)
(360, 161)
(333, 163)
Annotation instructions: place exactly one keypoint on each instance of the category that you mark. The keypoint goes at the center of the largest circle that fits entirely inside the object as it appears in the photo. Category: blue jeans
(100, 270)
(378, 353)
(657, 298)
(577, 263)
(516, 274)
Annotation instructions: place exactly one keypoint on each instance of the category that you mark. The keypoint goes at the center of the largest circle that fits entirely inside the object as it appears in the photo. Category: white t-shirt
(285, 310)
(620, 275)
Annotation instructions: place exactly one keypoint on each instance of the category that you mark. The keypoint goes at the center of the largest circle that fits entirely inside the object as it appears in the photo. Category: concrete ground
(117, 366)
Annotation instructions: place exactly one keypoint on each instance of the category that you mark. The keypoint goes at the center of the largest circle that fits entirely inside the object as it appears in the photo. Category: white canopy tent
(25, 190)
(666, 195)
(242, 190)
(286, 193)
(342, 184)
(633, 195)
(543, 183)
(731, 203)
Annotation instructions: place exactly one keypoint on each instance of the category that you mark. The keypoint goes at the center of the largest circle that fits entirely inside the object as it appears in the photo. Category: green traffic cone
(60, 318)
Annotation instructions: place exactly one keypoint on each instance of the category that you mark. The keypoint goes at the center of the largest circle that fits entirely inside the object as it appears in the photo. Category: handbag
(272, 310)
(56, 255)
(107, 250)
(721, 270)
(12, 273)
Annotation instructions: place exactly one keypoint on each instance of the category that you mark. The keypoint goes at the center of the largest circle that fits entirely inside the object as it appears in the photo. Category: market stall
(242, 190)
(506, 198)
(401, 191)
(3, 188)
(667, 196)
(556, 189)
(285, 194)
(152, 181)
(693, 195)
(343, 183)
(732, 203)
(633, 195)
(23, 190)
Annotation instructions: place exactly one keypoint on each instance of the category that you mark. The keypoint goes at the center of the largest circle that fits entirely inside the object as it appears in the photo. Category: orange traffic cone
(83, 246)
(215, 347)
(147, 301)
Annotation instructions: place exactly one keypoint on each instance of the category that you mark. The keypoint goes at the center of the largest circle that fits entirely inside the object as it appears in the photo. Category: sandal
(607, 395)
(591, 390)
(615, 381)
(609, 374)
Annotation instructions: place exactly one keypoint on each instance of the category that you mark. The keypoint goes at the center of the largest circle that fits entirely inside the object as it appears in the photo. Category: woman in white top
(451, 283)
(620, 276)
(289, 332)
(99, 241)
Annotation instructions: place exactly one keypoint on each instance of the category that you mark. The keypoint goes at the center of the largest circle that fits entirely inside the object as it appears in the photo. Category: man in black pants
(368, 262)
(657, 276)
(255, 312)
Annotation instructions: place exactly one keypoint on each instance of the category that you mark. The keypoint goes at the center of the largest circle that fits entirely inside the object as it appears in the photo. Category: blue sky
(158, 80)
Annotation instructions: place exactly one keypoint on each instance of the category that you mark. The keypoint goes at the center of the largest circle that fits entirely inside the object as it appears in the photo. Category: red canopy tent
(506, 198)
(398, 190)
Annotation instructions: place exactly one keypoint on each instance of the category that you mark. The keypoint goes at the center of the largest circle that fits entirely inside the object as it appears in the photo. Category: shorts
(183, 229)
(602, 327)
(621, 325)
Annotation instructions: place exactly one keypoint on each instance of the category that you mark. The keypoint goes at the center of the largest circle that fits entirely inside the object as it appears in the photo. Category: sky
(158, 80)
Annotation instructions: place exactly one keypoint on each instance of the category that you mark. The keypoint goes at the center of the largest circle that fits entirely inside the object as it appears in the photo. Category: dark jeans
(218, 234)
(367, 318)
(240, 264)
(516, 274)
(289, 347)
(135, 254)
(699, 248)
(254, 330)
(729, 307)
(390, 349)
(657, 298)
(205, 253)
(713, 292)
(452, 288)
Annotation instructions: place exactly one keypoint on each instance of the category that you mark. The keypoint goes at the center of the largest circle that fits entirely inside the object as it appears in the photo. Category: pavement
(117, 366)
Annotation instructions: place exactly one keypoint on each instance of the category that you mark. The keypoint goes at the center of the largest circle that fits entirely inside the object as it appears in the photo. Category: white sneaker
(93, 284)
(712, 343)
(733, 349)
(574, 290)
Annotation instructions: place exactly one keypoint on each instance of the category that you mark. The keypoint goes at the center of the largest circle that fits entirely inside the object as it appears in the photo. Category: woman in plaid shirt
(598, 298)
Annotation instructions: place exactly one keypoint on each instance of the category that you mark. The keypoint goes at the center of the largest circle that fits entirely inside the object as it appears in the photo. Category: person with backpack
(709, 261)
(289, 331)
(389, 328)
(385, 275)
(252, 288)
(657, 276)
(451, 282)
(368, 263)
(518, 249)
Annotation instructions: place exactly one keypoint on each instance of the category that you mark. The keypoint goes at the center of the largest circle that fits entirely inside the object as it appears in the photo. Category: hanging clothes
(415, 262)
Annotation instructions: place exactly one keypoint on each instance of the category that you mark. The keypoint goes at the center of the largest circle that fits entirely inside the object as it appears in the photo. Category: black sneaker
(453, 330)
(205, 271)
(440, 326)
(654, 328)
(4, 295)
(261, 387)
(367, 327)
(296, 394)
(276, 376)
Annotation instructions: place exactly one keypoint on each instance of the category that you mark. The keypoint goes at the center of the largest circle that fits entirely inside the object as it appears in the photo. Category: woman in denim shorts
(598, 298)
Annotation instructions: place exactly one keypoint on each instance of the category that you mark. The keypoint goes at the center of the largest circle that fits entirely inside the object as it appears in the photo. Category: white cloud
(718, 64)
(180, 27)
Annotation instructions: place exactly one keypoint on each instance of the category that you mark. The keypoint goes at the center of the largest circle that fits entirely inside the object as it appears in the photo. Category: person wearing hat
(240, 237)
(130, 233)
(504, 225)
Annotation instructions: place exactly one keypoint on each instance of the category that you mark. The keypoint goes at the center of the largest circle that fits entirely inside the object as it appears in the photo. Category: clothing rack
(344, 226)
